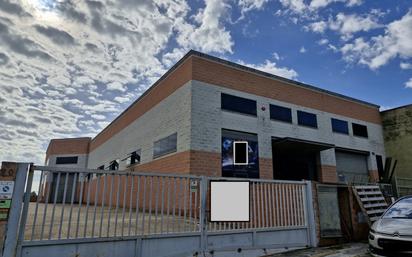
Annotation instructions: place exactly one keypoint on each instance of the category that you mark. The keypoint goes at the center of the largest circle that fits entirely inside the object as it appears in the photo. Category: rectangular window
(67, 160)
(359, 130)
(133, 158)
(230, 166)
(114, 165)
(280, 113)
(307, 119)
(238, 104)
(340, 126)
(165, 146)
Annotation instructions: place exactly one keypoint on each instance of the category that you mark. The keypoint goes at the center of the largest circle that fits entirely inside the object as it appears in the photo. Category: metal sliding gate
(90, 213)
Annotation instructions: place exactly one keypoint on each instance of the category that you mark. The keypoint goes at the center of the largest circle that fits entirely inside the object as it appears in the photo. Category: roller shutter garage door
(352, 167)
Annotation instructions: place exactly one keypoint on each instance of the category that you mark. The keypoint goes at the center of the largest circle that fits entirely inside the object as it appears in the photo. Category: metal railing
(79, 203)
(403, 186)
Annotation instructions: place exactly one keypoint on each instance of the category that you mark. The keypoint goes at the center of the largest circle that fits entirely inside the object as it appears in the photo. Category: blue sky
(68, 68)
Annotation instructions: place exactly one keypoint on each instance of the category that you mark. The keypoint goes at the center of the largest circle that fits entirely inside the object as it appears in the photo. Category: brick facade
(68, 146)
(373, 176)
(265, 168)
(327, 174)
(173, 163)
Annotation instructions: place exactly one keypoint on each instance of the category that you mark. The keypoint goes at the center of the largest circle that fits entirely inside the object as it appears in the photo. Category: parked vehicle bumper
(388, 245)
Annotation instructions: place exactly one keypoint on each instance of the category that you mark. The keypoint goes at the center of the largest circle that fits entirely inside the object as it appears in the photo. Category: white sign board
(6, 189)
(229, 201)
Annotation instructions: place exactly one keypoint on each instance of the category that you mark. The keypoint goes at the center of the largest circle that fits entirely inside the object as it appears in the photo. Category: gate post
(310, 215)
(203, 217)
(15, 174)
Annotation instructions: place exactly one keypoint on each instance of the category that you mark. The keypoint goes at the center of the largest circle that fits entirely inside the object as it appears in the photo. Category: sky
(69, 67)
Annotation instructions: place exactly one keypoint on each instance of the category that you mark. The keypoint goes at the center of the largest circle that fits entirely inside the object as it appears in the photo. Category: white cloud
(121, 99)
(379, 50)
(56, 66)
(271, 67)
(405, 65)
(323, 41)
(297, 6)
(318, 26)
(209, 34)
(98, 117)
(408, 84)
(302, 50)
(276, 56)
(315, 4)
(301, 7)
(115, 85)
(249, 5)
(347, 24)
(354, 2)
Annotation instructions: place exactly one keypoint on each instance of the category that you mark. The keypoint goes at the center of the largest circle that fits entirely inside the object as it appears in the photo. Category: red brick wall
(173, 163)
(373, 176)
(328, 174)
(205, 163)
(223, 75)
(68, 146)
(265, 168)
(200, 163)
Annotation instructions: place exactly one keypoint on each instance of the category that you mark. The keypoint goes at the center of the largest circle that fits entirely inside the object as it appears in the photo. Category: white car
(391, 234)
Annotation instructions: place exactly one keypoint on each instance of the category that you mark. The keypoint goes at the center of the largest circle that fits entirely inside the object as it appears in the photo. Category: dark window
(133, 158)
(67, 160)
(307, 119)
(238, 104)
(165, 145)
(340, 126)
(379, 163)
(114, 165)
(99, 168)
(280, 113)
(359, 130)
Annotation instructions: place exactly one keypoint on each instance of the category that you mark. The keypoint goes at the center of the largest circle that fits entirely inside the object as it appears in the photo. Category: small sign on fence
(5, 204)
(193, 186)
(6, 189)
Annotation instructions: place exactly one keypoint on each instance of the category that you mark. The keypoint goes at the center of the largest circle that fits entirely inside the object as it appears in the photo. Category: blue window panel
(238, 104)
(340, 126)
(280, 113)
(307, 119)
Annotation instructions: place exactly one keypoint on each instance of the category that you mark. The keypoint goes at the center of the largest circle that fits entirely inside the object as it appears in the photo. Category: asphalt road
(344, 250)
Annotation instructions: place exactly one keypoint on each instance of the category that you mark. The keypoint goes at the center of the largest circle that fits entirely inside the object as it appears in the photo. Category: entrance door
(290, 165)
(296, 159)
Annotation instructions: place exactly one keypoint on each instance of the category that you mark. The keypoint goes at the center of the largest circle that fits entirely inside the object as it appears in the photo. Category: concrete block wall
(167, 117)
(207, 121)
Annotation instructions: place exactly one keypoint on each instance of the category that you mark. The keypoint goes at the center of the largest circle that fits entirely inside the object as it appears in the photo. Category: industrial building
(187, 121)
